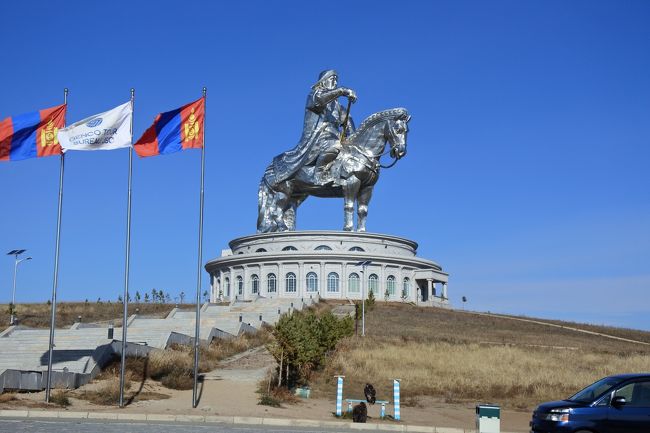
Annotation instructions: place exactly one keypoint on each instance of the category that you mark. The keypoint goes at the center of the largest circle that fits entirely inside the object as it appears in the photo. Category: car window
(594, 390)
(626, 392)
(605, 400)
(636, 394)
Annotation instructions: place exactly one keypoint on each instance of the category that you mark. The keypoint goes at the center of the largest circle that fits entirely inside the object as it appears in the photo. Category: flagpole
(56, 268)
(197, 327)
(125, 299)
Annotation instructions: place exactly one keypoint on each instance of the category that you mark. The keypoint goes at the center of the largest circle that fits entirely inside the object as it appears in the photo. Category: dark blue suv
(615, 404)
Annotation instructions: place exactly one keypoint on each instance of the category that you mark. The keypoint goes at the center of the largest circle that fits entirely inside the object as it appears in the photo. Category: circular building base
(326, 264)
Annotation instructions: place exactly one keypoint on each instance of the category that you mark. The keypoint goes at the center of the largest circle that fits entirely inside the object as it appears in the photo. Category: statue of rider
(321, 136)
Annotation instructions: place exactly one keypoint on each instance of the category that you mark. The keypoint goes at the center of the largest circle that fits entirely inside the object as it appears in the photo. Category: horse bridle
(395, 158)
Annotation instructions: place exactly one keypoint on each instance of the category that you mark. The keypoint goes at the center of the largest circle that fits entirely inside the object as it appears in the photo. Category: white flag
(103, 131)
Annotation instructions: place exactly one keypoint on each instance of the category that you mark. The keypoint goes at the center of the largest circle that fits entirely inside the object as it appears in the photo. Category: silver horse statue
(352, 175)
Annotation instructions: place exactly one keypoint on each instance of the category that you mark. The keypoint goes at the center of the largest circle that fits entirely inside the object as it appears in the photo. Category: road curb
(219, 419)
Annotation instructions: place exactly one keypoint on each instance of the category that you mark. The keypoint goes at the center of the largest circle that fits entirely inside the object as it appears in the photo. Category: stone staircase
(81, 351)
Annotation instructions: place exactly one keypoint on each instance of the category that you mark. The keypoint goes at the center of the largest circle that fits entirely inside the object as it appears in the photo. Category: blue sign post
(396, 398)
(339, 395)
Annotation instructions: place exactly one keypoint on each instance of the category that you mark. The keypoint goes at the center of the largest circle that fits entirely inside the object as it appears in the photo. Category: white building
(300, 264)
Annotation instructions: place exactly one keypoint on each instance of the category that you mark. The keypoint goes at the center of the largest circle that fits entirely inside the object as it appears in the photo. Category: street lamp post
(363, 265)
(15, 253)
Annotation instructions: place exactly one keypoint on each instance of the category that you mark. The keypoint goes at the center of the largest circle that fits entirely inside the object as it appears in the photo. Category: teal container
(302, 391)
(488, 418)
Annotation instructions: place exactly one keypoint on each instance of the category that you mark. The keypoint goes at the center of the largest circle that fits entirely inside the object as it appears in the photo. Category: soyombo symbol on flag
(173, 131)
(31, 135)
(103, 131)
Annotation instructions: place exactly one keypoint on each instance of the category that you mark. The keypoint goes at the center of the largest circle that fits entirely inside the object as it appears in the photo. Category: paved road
(86, 426)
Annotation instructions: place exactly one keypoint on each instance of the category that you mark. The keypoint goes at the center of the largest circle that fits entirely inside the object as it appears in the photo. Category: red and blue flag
(31, 135)
(174, 131)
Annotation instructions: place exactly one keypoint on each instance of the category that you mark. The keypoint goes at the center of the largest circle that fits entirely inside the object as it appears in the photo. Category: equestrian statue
(332, 159)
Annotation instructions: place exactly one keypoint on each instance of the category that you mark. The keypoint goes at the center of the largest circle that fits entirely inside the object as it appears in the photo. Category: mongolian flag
(31, 135)
(173, 131)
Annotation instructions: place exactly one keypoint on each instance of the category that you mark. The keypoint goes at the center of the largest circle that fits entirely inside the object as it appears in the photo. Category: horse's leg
(363, 199)
(350, 190)
(292, 212)
(278, 216)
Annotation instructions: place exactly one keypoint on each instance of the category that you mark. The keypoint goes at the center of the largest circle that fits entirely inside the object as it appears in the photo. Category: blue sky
(526, 177)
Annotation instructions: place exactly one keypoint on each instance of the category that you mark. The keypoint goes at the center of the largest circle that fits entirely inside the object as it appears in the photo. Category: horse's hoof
(347, 229)
(361, 230)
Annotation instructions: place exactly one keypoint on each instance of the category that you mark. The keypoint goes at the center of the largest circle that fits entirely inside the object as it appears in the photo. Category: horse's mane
(373, 119)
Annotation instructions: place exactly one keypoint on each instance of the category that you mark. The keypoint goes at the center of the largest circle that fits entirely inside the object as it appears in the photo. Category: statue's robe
(323, 118)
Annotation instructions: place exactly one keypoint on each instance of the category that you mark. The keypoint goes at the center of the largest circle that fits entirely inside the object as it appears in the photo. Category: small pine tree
(168, 299)
(119, 299)
(137, 297)
(206, 296)
(404, 295)
(99, 300)
(154, 295)
(386, 295)
(128, 297)
(161, 296)
(182, 296)
(146, 298)
(49, 302)
(370, 302)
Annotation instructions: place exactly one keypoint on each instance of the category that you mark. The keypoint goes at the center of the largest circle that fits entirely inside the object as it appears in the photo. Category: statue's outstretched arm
(323, 97)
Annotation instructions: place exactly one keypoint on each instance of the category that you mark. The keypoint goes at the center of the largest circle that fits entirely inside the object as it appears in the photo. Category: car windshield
(594, 390)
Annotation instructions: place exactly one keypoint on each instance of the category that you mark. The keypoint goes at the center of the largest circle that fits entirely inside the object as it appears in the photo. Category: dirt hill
(458, 356)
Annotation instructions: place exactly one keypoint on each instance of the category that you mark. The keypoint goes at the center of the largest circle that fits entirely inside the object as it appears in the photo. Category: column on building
(299, 285)
(344, 282)
(322, 287)
(231, 278)
(444, 291)
(245, 272)
(382, 284)
(431, 291)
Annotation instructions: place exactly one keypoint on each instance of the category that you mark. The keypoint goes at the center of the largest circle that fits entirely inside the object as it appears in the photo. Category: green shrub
(267, 400)
(303, 339)
(60, 398)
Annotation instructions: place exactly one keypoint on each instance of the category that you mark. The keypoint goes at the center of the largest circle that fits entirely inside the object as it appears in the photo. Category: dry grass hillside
(67, 313)
(455, 356)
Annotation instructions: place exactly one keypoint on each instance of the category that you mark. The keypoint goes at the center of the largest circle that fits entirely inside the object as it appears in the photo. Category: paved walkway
(107, 422)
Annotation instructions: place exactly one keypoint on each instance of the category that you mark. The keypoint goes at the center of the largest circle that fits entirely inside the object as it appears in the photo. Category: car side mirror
(619, 401)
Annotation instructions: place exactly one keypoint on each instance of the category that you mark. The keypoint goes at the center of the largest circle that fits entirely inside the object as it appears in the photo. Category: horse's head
(396, 131)
(385, 126)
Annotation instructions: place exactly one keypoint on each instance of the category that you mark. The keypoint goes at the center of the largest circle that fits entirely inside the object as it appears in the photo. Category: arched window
(289, 248)
(312, 282)
(353, 283)
(240, 285)
(333, 282)
(271, 283)
(260, 250)
(406, 288)
(390, 285)
(323, 248)
(373, 283)
(226, 286)
(290, 283)
(255, 284)
(356, 249)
